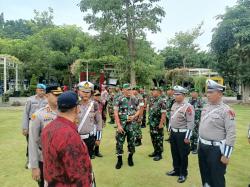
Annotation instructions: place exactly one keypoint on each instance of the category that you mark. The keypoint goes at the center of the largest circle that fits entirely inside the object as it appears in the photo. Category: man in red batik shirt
(66, 158)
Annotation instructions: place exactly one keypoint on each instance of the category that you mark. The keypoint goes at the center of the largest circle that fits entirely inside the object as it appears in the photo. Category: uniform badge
(189, 111)
(33, 117)
(231, 114)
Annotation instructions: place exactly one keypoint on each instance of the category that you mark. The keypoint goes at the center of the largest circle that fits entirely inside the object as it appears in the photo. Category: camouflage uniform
(169, 102)
(126, 107)
(198, 105)
(110, 106)
(144, 117)
(138, 132)
(156, 108)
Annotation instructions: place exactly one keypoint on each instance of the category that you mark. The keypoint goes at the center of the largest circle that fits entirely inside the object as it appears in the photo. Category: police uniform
(126, 106)
(181, 124)
(156, 110)
(91, 130)
(33, 104)
(217, 137)
(197, 103)
(39, 120)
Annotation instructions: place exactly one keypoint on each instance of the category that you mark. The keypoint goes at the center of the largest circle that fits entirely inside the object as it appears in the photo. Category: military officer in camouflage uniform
(138, 132)
(39, 120)
(144, 117)
(110, 104)
(157, 117)
(126, 111)
(197, 103)
(169, 102)
(181, 125)
(33, 104)
(217, 134)
(89, 118)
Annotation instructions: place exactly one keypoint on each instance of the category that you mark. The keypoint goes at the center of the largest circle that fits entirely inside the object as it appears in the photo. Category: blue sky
(180, 15)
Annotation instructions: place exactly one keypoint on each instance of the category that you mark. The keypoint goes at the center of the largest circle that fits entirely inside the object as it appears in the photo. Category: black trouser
(41, 182)
(27, 149)
(144, 118)
(212, 170)
(90, 143)
(180, 152)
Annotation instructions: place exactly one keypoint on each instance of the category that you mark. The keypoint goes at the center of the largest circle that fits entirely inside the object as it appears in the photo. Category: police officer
(126, 112)
(181, 124)
(90, 120)
(217, 137)
(39, 120)
(33, 104)
(197, 103)
(157, 117)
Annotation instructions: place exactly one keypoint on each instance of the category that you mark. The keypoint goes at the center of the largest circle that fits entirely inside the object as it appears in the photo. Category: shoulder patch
(231, 113)
(189, 110)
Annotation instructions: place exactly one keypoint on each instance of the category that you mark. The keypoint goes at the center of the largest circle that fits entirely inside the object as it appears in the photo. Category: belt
(209, 142)
(85, 136)
(178, 130)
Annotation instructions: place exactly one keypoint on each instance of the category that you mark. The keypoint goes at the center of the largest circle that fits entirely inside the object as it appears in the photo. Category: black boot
(130, 160)
(157, 157)
(97, 152)
(138, 142)
(152, 154)
(119, 162)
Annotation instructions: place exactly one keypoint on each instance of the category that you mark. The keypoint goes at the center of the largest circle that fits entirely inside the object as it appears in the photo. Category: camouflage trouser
(194, 137)
(111, 112)
(157, 139)
(120, 139)
(138, 132)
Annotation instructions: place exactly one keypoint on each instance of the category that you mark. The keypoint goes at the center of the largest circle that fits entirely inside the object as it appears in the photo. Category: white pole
(5, 74)
(16, 77)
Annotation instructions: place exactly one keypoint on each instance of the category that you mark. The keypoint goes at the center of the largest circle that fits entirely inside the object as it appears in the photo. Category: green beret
(126, 86)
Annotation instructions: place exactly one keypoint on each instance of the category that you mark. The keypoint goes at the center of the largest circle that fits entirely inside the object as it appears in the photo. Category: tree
(184, 41)
(230, 43)
(129, 18)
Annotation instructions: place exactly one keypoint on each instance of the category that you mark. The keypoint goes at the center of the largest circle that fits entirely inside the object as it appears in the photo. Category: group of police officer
(208, 130)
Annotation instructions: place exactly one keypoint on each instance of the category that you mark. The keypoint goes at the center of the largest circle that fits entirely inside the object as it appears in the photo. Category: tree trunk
(245, 93)
(131, 44)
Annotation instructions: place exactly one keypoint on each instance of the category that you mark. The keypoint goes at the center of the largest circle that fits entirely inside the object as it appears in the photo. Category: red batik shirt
(66, 158)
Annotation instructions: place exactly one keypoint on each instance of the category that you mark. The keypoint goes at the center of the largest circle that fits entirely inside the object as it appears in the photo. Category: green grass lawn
(146, 173)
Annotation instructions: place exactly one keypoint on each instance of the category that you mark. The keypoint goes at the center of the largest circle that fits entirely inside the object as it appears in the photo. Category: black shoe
(194, 152)
(130, 160)
(143, 126)
(152, 154)
(26, 166)
(119, 163)
(92, 157)
(172, 173)
(138, 142)
(181, 179)
(97, 152)
(98, 155)
(157, 158)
